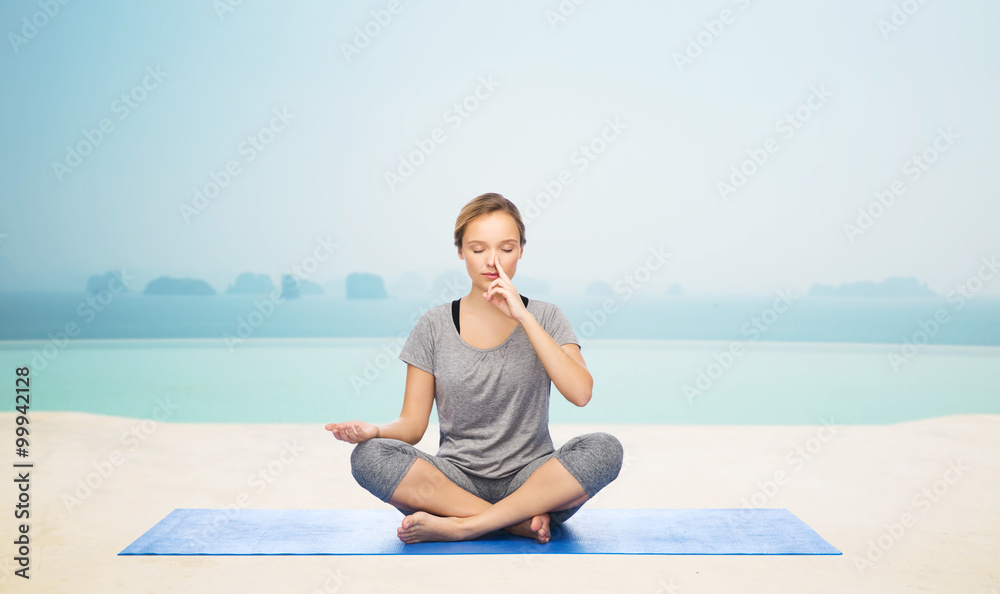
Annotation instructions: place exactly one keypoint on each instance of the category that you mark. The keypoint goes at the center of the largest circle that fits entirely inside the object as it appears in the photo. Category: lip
(488, 275)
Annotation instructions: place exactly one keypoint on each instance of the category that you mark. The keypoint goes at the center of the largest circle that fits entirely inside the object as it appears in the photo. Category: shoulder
(545, 312)
(433, 317)
(545, 307)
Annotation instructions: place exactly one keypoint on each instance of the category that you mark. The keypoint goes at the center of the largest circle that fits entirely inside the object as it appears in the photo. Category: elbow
(417, 435)
(580, 396)
(583, 398)
(412, 431)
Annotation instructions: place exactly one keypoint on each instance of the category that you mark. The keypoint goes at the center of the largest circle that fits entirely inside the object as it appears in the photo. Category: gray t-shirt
(492, 404)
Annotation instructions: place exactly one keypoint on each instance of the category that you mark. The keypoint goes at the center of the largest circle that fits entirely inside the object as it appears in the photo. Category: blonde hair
(485, 204)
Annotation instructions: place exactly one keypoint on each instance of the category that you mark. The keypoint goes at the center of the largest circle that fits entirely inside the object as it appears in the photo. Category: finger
(503, 274)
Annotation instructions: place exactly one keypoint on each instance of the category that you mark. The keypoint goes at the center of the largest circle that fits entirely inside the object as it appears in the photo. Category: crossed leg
(449, 512)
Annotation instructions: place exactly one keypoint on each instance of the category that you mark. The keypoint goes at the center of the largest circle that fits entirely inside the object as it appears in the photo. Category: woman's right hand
(353, 431)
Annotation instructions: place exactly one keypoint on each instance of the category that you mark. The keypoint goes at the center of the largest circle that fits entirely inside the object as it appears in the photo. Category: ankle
(470, 528)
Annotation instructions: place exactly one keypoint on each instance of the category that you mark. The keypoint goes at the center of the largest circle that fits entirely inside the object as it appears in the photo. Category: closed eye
(480, 251)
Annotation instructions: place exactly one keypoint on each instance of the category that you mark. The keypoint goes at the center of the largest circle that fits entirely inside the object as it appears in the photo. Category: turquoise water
(30, 316)
(635, 381)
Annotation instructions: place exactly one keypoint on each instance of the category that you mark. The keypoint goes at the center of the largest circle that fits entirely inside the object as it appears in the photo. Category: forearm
(400, 429)
(572, 380)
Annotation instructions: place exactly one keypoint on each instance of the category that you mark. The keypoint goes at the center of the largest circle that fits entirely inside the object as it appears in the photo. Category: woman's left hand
(504, 296)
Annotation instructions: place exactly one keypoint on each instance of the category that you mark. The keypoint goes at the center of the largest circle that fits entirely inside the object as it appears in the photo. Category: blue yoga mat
(373, 532)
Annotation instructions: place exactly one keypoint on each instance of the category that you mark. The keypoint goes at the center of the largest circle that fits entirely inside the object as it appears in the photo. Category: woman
(489, 359)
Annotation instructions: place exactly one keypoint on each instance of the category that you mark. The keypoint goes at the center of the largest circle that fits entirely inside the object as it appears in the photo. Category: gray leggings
(594, 459)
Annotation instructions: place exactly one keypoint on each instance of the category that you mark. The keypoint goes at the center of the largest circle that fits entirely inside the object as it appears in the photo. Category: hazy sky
(183, 90)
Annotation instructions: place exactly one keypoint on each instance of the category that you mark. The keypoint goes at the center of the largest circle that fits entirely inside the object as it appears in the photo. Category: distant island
(249, 283)
(289, 287)
(598, 288)
(292, 287)
(178, 286)
(100, 282)
(307, 287)
(361, 285)
(894, 286)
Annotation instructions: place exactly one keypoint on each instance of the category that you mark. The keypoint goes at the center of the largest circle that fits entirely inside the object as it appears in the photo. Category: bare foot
(536, 527)
(424, 527)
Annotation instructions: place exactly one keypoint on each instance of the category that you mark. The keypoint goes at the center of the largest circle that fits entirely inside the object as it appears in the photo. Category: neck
(479, 306)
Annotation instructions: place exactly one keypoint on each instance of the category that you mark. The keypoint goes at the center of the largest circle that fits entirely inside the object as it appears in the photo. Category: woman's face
(487, 239)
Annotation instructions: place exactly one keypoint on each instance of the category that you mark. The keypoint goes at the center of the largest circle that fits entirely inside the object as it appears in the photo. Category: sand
(913, 506)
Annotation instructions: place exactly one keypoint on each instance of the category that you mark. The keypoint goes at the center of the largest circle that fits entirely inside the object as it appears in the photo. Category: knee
(595, 459)
(614, 453)
(365, 458)
(601, 451)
